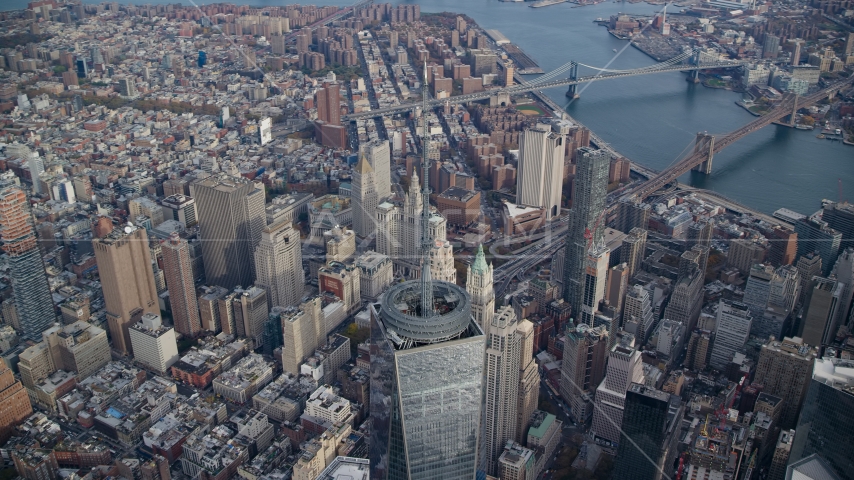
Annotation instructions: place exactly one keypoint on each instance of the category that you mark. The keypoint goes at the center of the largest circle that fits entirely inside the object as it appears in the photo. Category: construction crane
(588, 235)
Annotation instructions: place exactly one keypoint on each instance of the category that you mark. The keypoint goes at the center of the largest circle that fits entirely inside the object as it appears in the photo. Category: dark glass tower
(826, 423)
(33, 300)
(650, 430)
(586, 221)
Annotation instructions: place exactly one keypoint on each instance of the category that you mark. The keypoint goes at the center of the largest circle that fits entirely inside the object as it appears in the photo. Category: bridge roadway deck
(692, 160)
(472, 97)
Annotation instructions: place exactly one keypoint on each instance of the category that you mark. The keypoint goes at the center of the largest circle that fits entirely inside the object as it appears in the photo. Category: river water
(653, 119)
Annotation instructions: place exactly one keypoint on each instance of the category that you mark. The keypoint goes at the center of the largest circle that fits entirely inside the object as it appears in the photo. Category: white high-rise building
(501, 387)
(442, 262)
(732, 328)
(36, 166)
(400, 229)
(595, 273)
(278, 265)
(480, 287)
(638, 316)
(378, 154)
(364, 198)
(624, 368)
(154, 344)
(540, 169)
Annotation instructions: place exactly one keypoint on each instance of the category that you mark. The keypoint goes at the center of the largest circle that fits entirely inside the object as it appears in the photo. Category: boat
(819, 136)
(803, 127)
(615, 50)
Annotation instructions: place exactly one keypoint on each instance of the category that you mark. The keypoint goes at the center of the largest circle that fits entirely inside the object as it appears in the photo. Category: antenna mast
(426, 244)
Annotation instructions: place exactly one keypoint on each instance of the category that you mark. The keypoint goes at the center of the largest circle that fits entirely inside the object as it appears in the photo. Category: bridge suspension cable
(667, 63)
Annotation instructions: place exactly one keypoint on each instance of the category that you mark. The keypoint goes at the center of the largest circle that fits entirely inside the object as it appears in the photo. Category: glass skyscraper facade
(591, 188)
(33, 301)
(650, 426)
(826, 423)
(426, 386)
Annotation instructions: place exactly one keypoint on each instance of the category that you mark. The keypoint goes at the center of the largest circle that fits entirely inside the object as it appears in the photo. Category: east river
(653, 119)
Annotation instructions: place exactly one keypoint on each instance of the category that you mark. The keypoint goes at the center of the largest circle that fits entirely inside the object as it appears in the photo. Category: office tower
(33, 301)
(15, 404)
(80, 347)
(632, 214)
(785, 287)
(303, 332)
(479, 285)
(816, 235)
(808, 267)
(844, 273)
(529, 380)
(427, 370)
(687, 298)
(340, 244)
(633, 250)
(378, 154)
(181, 208)
(784, 246)
(616, 286)
(344, 281)
(784, 368)
(376, 274)
(745, 253)
(697, 356)
(732, 328)
(625, 367)
(638, 316)
(595, 272)
(182, 291)
(796, 54)
(124, 265)
(82, 68)
(364, 198)
(442, 262)
(651, 420)
(251, 312)
(771, 46)
(278, 265)
(758, 290)
(819, 315)
(202, 59)
(586, 222)
(154, 344)
(127, 87)
(584, 352)
(501, 387)
(825, 424)
(771, 296)
(327, 128)
(231, 218)
(777, 470)
(540, 169)
(36, 166)
(849, 45)
(516, 463)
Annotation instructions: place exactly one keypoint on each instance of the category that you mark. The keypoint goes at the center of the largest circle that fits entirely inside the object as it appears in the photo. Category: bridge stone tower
(573, 74)
(704, 144)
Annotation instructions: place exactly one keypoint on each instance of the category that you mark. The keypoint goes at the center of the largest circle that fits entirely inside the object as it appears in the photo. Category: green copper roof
(479, 265)
(538, 432)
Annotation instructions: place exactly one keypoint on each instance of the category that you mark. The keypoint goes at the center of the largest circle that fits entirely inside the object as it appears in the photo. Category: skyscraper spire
(426, 243)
